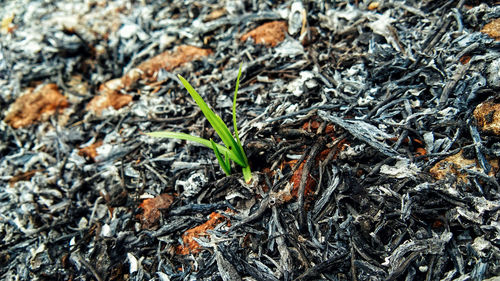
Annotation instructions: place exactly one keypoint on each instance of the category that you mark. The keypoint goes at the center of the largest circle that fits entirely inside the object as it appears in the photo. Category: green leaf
(235, 151)
(247, 174)
(234, 106)
(183, 136)
(235, 125)
(228, 162)
(226, 166)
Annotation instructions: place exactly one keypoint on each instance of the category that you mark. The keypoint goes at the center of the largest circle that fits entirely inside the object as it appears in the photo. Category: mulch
(372, 130)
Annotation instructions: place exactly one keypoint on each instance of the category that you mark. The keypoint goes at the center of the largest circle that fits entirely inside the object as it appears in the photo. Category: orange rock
(487, 115)
(35, 105)
(151, 209)
(492, 29)
(270, 34)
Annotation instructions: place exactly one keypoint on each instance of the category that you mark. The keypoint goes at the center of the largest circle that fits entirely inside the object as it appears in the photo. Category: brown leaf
(108, 98)
(190, 246)
(148, 70)
(487, 115)
(492, 29)
(78, 85)
(152, 209)
(465, 59)
(25, 176)
(453, 165)
(215, 14)
(270, 34)
(6, 26)
(35, 105)
(373, 6)
(168, 61)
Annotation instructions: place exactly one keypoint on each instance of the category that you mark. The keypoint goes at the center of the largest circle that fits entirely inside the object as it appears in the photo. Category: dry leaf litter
(372, 129)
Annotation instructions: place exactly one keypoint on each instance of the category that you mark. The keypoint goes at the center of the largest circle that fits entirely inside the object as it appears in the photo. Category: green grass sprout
(232, 149)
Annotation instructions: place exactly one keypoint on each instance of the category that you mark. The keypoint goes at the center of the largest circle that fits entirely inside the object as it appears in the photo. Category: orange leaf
(190, 246)
(420, 151)
(168, 60)
(487, 115)
(455, 163)
(108, 98)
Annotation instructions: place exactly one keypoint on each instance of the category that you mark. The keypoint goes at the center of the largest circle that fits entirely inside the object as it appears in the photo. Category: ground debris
(371, 128)
(152, 209)
(271, 33)
(35, 105)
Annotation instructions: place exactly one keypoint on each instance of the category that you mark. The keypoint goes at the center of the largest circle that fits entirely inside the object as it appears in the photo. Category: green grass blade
(235, 125)
(183, 136)
(225, 165)
(218, 125)
(247, 174)
(228, 162)
(234, 106)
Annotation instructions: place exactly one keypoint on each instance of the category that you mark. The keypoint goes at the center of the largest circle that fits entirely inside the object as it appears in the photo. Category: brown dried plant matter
(190, 246)
(215, 14)
(453, 165)
(270, 34)
(108, 97)
(152, 209)
(487, 115)
(492, 29)
(291, 191)
(148, 70)
(91, 150)
(23, 176)
(170, 60)
(35, 105)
